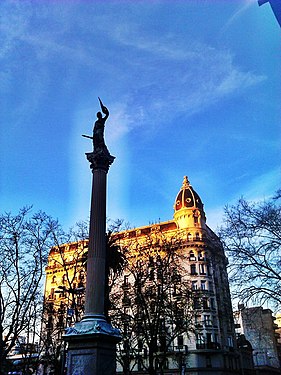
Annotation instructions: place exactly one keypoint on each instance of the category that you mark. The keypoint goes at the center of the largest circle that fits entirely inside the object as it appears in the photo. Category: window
(198, 321)
(197, 236)
(63, 280)
(196, 303)
(205, 304)
(194, 285)
(230, 341)
(196, 215)
(209, 338)
(180, 341)
(193, 269)
(191, 255)
(54, 279)
(200, 255)
(200, 341)
(202, 269)
(208, 361)
(189, 237)
(207, 320)
(52, 294)
(203, 285)
(126, 280)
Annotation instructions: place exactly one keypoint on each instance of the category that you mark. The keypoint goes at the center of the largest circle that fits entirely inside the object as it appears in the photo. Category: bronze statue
(98, 131)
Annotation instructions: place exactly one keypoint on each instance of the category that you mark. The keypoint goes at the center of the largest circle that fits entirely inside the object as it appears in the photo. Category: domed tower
(189, 209)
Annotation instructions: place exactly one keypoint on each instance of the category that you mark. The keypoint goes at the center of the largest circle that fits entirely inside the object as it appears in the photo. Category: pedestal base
(92, 348)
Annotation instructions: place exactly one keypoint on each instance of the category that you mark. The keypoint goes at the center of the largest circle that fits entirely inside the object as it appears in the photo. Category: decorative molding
(92, 326)
(100, 160)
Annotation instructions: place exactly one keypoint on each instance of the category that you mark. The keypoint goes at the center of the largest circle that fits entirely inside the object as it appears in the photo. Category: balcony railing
(209, 345)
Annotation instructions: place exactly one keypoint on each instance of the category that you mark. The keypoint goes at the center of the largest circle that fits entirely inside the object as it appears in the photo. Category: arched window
(202, 269)
(203, 284)
(200, 255)
(192, 255)
(52, 294)
(193, 269)
(194, 285)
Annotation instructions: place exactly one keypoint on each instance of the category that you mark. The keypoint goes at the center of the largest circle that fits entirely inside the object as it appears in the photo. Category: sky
(192, 87)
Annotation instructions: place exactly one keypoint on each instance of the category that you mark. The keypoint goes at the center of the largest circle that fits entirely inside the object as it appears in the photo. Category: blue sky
(193, 88)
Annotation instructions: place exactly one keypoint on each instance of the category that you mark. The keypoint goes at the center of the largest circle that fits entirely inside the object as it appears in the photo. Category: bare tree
(64, 293)
(154, 306)
(65, 286)
(25, 240)
(252, 237)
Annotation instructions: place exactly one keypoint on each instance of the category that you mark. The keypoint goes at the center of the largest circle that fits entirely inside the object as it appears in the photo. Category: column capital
(100, 160)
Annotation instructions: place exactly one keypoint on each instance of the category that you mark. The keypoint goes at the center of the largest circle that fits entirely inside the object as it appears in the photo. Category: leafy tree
(252, 238)
(154, 306)
(25, 240)
(114, 266)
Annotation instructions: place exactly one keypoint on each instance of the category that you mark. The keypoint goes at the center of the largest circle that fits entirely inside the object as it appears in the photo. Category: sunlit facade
(258, 326)
(210, 347)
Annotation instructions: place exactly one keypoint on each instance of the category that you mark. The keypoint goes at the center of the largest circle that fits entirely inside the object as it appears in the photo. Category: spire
(185, 182)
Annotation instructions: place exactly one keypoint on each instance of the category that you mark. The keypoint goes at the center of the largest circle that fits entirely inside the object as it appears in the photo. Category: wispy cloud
(237, 14)
(263, 186)
(257, 189)
(180, 77)
(168, 75)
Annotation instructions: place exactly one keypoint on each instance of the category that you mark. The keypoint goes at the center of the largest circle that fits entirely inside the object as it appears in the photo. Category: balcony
(181, 349)
(208, 346)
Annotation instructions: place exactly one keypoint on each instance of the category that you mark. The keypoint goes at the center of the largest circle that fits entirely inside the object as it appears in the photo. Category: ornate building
(259, 328)
(174, 310)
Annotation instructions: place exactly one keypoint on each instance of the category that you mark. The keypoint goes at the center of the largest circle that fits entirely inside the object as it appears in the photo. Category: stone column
(94, 306)
(92, 342)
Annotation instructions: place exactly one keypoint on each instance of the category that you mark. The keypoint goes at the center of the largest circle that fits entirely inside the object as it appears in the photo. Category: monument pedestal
(92, 348)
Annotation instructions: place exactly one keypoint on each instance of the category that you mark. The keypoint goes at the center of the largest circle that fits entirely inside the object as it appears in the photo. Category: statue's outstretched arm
(104, 109)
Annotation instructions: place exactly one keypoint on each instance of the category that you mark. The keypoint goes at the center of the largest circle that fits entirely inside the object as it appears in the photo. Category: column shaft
(97, 247)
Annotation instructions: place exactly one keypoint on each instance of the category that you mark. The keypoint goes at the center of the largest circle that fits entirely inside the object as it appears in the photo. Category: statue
(98, 131)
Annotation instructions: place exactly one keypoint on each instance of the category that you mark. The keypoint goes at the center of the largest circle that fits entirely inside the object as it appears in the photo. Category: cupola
(188, 208)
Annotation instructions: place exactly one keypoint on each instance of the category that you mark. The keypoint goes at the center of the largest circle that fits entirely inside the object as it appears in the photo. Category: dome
(187, 197)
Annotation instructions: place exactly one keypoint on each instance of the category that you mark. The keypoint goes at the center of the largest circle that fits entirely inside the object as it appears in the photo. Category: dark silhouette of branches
(252, 237)
(25, 240)
(154, 305)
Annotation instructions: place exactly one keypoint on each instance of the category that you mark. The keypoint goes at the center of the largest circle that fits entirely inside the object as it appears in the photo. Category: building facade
(172, 301)
(258, 326)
